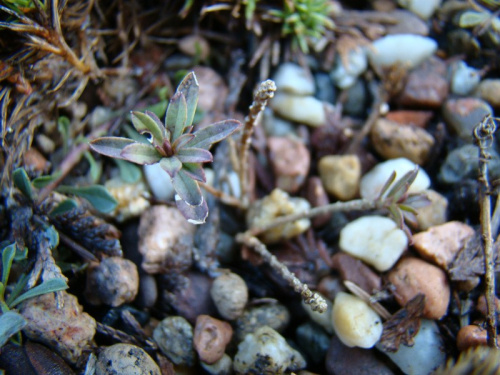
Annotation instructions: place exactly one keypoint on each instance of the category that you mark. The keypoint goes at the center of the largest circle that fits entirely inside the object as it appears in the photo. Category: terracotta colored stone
(408, 117)
(34, 160)
(211, 337)
(470, 336)
(441, 243)
(411, 276)
(317, 197)
(482, 306)
(356, 271)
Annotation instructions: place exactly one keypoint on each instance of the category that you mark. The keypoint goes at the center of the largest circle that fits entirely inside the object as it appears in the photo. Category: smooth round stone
(125, 359)
(406, 49)
(303, 109)
(425, 355)
(325, 90)
(340, 175)
(294, 79)
(211, 337)
(174, 336)
(463, 114)
(488, 90)
(273, 315)
(313, 341)
(372, 182)
(346, 71)
(159, 182)
(354, 322)
(423, 9)
(434, 213)
(464, 79)
(357, 95)
(374, 239)
(223, 366)
(407, 23)
(230, 295)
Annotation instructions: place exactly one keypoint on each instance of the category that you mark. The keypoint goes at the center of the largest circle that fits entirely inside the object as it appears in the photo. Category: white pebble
(304, 109)
(374, 239)
(354, 322)
(159, 182)
(406, 49)
(372, 182)
(464, 79)
(294, 79)
(230, 295)
(345, 76)
(425, 355)
(422, 8)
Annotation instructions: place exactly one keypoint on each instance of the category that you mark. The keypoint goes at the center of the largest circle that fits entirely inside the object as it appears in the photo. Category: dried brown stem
(223, 197)
(355, 289)
(314, 299)
(483, 134)
(264, 93)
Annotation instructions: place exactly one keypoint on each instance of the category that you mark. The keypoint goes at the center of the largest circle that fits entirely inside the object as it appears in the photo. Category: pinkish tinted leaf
(189, 88)
(110, 146)
(171, 165)
(175, 118)
(194, 155)
(187, 188)
(211, 134)
(149, 123)
(195, 171)
(141, 153)
(194, 214)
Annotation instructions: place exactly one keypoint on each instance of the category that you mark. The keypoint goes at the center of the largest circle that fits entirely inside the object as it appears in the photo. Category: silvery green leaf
(11, 322)
(194, 155)
(176, 117)
(195, 171)
(8, 254)
(187, 188)
(129, 172)
(149, 123)
(63, 207)
(471, 18)
(22, 182)
(49, 286)
(97, 195)
(213, 133)
(171, 165)
(140, 153)
(182, 140)
(193, 214)
(189, 88)
(42, 181)
(110, 146)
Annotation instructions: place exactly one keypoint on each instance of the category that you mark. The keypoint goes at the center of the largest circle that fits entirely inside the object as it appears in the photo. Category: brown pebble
(356, 271)
(441, 243)
(483, 308)
(211, 337)
(330, 285)
(34, 160)
(290, 160)
(411, 276)
(408, 117)
(470, 336)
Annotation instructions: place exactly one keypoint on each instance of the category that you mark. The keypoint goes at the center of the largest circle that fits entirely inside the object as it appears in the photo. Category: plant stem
(483, 134)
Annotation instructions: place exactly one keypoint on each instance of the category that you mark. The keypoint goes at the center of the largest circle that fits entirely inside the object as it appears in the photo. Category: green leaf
(18, 288)
(193, 214)
(182, 140)
(140, 153)
(11, 323)
(175, 119)
(63, 125)
(129, 172)
(190, 89)
(171, 165)
(42, 181)
(22, 182)
(194, 155)
(149, 123)
(213, 133)
(110, 146)
(187, 188)
(63, 207)
(403, 184)
(21, 254)
(159, 108)
(49, 286)
(8, 254)
(97, 195)
(471, 18)
(52, 235)
(387, 185)
(195, 171)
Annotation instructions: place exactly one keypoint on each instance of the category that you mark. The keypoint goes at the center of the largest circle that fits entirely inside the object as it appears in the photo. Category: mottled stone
(434, 213)
(463, 114)
(340, 175)
(125, 359)
(132, 198)
(273, 315)
(488, 90)
(174, 336)
(230, 295)
(210, 338)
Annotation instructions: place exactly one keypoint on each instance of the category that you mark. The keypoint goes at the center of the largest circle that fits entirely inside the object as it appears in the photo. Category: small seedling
(178, 150)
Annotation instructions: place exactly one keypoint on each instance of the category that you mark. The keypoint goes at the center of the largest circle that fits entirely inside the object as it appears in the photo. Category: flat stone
(463, 114)
(406, 23)
(125, 359)
(302, 109)
(412, 276)
(410, 117)
(356, 271)
(488, 90)
(340, 175)
(441, 243)
(434, 213)
(294, 79)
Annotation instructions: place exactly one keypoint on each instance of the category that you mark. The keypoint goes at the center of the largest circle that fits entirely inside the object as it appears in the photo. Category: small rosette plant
(178, 150)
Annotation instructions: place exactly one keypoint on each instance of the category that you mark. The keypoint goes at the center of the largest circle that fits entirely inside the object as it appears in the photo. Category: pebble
(340, 175)
(463, 114)
(275, 126)
(34, 161)
(165, 239)
(323, 319)
(440, 244)
(210, 338)
(194, 46)
(273, 315)
(372, 182)
(223, 366)
(148, 291)
(114, 281)
(276, 204)
(343, 360)
(355, 323)
(313, 341)
(406, 49)
(471, 336)
(159, 182)
(464, 79)
(406, 23)
(303, 109)
(132, 198)
(68, 330)
(357, 97)
(325, 90)
(356, 271)
(426, 86)
(330, 285)
(290, 160)
(230, 295)
(425, 355)
(266, 351)
(392, 140)
(174, 336)
(317, 197)
(409, 117)
(488, 90)
(412, 276)
(348, 68)
(210, 82)
(374, 239)
(423, 9)
(294, 79)
(125, 359)
(434, 213)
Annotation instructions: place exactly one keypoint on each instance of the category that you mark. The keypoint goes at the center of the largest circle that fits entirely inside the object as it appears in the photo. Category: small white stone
(345, 76)
(304, 109)
(425, 355)
(424, 9)
(159, 182)
(294, 79)
(266, 351)
(374, 239)
(230, 295)
(372, 182)
(464, 79)
(406, 49)
(354, 322)
(222, 367)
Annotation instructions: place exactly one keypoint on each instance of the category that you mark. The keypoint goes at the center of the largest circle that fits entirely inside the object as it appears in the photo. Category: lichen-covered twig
(483, 134)
(264, 93)
(316, 302)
